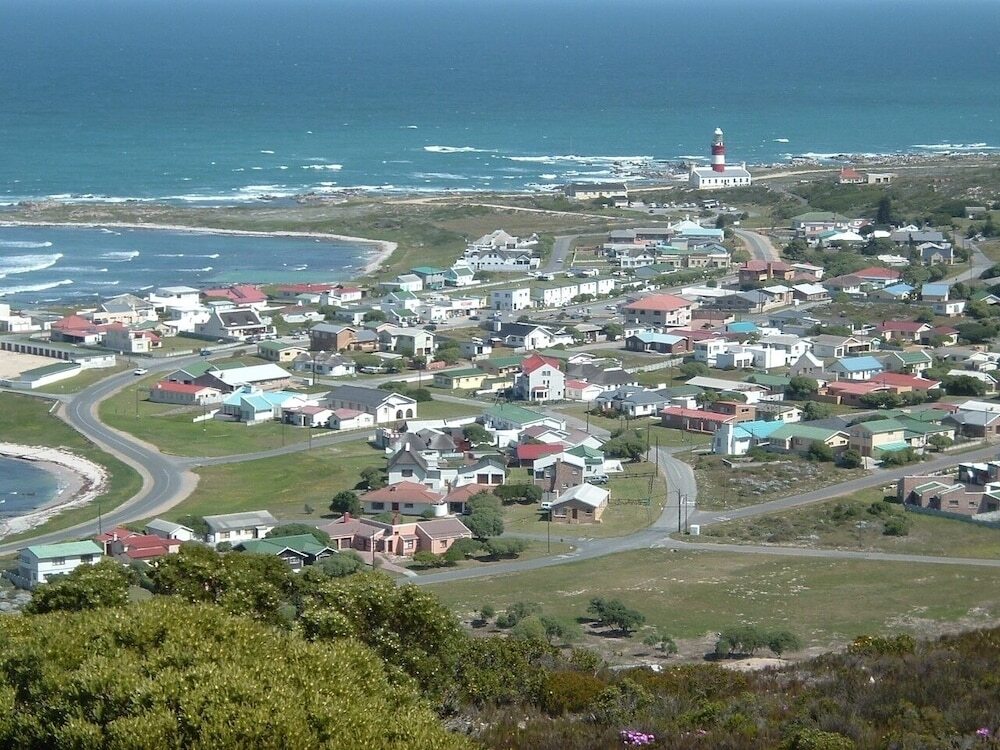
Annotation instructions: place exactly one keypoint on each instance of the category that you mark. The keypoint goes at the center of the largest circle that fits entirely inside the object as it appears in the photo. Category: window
(378, 506)
(86, 558)
(407, 472)
(223, 535)
(58, 560)
(407, 505)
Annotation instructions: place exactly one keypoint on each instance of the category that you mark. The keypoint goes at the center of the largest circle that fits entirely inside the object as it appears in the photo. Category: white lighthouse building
(719, 175)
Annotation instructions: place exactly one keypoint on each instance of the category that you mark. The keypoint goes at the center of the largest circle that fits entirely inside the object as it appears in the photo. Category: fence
(663, 364)
(949, 515)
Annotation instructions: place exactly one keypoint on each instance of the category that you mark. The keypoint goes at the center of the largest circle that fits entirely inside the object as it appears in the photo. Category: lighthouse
(718, 152)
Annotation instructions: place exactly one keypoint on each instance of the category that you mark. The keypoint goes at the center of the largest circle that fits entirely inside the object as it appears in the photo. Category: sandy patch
(754, 664)
(13, 364)
(80, 482)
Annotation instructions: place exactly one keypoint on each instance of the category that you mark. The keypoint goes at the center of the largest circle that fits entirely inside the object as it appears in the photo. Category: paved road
(979, 263)
(760, 247)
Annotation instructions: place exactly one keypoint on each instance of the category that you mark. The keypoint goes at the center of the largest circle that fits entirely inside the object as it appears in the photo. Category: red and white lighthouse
(718, 152)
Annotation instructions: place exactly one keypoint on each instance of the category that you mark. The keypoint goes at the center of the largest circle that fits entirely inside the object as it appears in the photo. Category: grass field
(845, 523)
(85, 379)
(720, 488)
(664, 436)
(26, 420)
(283, 485)
(626, 512)
(535, 549)
(825, 602)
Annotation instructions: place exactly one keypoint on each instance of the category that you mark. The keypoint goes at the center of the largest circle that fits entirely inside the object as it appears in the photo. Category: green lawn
(691, 594)
(85, 379)
(26, 420)
(721, 488)
(666, 437)
(845, 523)
(283, 485)
(447, 409)
(628, 509)
(170, 427)
(535, 549)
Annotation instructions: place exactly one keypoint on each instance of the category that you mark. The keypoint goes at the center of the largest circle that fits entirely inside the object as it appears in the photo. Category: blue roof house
(857, 368)
(934, 292)
(898, 291)
(252, 405)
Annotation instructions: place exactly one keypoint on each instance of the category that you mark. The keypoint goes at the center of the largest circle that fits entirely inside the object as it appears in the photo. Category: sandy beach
(80, 481)
(379, 253)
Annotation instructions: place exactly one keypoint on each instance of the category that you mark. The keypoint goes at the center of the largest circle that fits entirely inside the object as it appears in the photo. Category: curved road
(760, 247)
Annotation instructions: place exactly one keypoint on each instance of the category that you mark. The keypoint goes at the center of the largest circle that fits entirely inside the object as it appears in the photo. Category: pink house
(399, 539)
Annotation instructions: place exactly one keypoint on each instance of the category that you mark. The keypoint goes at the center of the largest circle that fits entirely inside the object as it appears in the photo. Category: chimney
(346, 517)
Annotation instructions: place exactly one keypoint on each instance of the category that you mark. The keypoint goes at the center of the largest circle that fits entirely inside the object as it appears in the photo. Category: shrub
(487, 612)
(783, 641)
(619, 704)
(877, 645)
(517, 612)
(850, 459)
(510, 548)
(424, 559)
(815, 739)
(896, 526)
(530, 628)
(569, 692)
(561, 629)
(342, 564)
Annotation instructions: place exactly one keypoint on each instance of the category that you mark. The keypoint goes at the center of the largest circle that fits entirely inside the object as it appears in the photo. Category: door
(575, 514)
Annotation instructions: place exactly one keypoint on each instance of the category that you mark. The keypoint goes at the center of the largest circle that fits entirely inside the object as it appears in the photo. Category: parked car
(546, 505)
(599, 479)
(140, 371)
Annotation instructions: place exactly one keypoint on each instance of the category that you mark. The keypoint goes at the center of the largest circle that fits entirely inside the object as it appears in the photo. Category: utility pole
(679, 509)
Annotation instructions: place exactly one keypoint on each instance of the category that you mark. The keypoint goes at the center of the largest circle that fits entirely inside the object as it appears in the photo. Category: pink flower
(983, 732)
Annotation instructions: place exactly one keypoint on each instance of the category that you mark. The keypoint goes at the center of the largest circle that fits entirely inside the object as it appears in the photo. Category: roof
(913, 358)
(402, 492)
(444, 528)
(532, 451)
(874, 272)
(819, 216)
(805, 431)
(938, 290)
(659, 302)
(650, 337)
(858, 364)
(879, 426)
(535, 361)
(758, 428)
(587, 494)
(39, 372)
(514, 413)
(252, 374)
(900, 288)
(248, 519)
(711, 416)
(66, 549)
(304, 543)
(172, 387)
(371, 397)
(168, 527)
(904, 326)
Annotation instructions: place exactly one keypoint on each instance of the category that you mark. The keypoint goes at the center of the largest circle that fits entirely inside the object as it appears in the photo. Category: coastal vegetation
(28, 421)
(357, 658)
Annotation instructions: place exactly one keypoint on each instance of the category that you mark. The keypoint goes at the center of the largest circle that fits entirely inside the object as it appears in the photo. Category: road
(979, 263)
(760, 247)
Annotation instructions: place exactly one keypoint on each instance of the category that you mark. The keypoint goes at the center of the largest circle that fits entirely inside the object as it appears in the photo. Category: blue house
(857, 368)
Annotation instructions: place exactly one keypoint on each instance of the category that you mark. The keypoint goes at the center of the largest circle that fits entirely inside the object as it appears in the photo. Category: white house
(511, 300)
(176, 297)
(382, 405)
(708, 350)
(169, 530)
(38, 563)
(540, 380)
(239, 527)
(237, 323)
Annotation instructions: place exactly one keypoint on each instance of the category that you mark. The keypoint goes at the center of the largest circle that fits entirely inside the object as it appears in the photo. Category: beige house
(880, 436)
(399, 539)
(584, 503)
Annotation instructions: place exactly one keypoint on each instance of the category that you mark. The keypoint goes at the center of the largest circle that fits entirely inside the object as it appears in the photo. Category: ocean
(197, 101)
(24, 486)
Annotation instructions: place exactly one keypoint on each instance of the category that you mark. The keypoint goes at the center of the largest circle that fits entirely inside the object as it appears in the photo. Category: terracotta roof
(532, 363)
(172, 387)
(854, 388)
(73, 323)
(765, 265)
(402, 492)
(463, 493)
(902, 379)
(905, 326)
(680, 411)
(238, 293)
(663, 302)
(578, 384)
(877, 273)
(532, 451)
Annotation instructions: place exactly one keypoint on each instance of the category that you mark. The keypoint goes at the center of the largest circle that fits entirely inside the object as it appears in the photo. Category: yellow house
(880, 436)
(468, 379)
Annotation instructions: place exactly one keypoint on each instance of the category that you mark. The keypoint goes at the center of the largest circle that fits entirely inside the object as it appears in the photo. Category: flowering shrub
(634, 738)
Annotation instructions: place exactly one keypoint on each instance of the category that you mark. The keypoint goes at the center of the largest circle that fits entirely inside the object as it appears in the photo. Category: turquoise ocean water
(24, 486)
(206, 100)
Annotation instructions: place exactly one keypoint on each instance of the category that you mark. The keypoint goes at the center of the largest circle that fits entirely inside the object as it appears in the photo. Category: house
(298, 550)
(733, 439)
(588, 191)
(584, 503)
(894, 292)
(306, 415)
(324, 363)
(828, 346)
(350, 419)
(179, 297)
(906, 331)
(238, 527)
(74, 329)
(876, 438)
(252, 405)
(39, 377)
(856, 368)
(940, 336)
(878, 278)
(470, 378)
(756, 271)
(813, 223)
(410, 342)
(911, 362)
(333, 337)
(935, 292)
(540, 380)
(399, 539)
(778, 411)
(432, 278)
(38, 563)
(933, 253)
(404, 282)
(124, 309)
(228, 378)
(132, 546)
(694, 420)
(511, 300)
(659, 310)
(529, 336)
(973, 492)
(510, 417)
(168, 392)
(244, 295)
(408, 498)
(752, 392)
(125, 340)
(169, 530)
(581, 390)
(809, 292)
(234, 323)
(974, 424)
(279, 351)
(662, 343)
(914, 236)
(460, 274)
(851, 392)
(742, 411)
(384, 406)
(799, 438)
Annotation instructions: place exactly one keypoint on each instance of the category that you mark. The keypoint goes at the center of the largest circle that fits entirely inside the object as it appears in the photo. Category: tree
(484, 523)
(476, 434)
(172, 674)
(816, 410)
(800, 388)
(884, 215)
(373, 477)
(346, 501)
(517, 612)
(100, 586)
(296, 529)
(819, 451)
(613, 613)
(449, 354)
(661, 641)
(629, 444)
(197, 524)
(740, 640)
(964, 385)
(976, 333)
(940, 442)
(693, 369)
(342, 564)
(420, 395)
(613, 331)
(374, 316)
(881, 400)
(511, 548)
(530, 629)
(851, 459)
(425, 559)
(561, 629)
(519, 493)
(461, 549)
(783, 641)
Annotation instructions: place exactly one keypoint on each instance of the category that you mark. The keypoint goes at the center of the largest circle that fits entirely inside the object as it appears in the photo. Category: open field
(845, 523)
(85, 379)
(623, 515)
(26, 420)
(535, 549)
(283, 485)
(720, 488)
(691, 594)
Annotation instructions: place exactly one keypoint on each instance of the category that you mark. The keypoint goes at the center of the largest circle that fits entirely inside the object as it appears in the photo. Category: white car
(140, 371)
(545, 505)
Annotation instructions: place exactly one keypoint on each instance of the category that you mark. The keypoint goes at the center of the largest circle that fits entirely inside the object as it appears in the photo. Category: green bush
(569, 692)
(877, 645)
